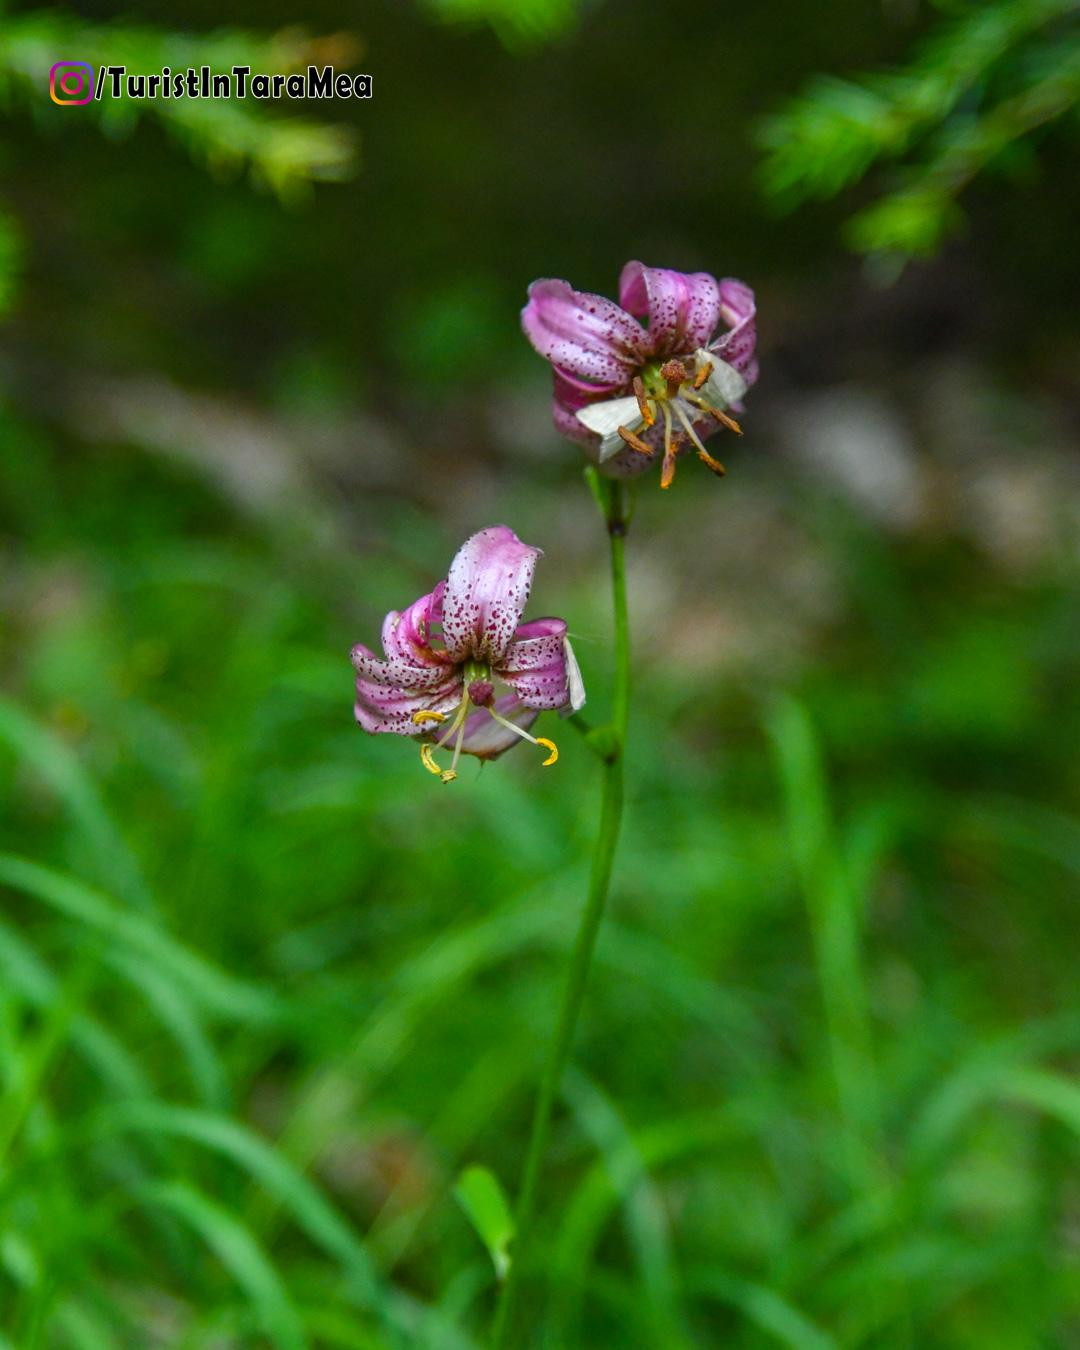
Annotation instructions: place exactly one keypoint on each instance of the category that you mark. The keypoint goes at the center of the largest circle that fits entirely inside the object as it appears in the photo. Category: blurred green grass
(267, 989)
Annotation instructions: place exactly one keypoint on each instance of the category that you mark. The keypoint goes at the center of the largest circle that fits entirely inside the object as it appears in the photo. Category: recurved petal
(538, 665)
(485, 738)
(683, 308)
(406, 636)
(566, 424)
(584, 335)
(569, 399)
(739, 311)
(402, 673)
(389, 708)
(486, 592)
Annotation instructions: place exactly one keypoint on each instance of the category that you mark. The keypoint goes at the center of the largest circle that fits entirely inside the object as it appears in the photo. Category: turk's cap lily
(460, 668)
(659, 369)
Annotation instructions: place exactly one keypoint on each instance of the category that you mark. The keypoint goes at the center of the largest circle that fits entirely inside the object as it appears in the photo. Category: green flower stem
(614, 501)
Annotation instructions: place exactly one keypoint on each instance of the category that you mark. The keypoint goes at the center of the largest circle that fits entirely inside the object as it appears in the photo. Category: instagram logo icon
(71, 82)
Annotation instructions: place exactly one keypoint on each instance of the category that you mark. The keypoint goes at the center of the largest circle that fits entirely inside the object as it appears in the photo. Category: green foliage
(480, 1195)
(11, 253)
(227, 136)
(972, 101)
(519, 23)
(264, 994)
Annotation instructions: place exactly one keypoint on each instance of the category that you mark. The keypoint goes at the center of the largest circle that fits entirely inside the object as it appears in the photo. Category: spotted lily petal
(540, 667)
(683, 308)
(389, 708)
(738, 309)
(569, 400)
(486, 592)
(582, 334)
(407, 636)
(397, 672)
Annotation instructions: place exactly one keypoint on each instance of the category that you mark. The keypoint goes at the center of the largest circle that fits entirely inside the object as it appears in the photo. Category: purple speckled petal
(389, 708)
(413, 676)
(397, 673)
(568, 400)
(683, 308)
(485, 738)
(738, 310)
(586, 389)
(535, 665)
(406, 636)
(486, 592)
(582, 334)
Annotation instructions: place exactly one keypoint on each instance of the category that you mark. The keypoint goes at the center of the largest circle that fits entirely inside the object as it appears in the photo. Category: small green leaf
(480, 1195)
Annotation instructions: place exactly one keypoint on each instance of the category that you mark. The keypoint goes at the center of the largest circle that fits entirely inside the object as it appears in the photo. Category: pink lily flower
(623, 388)
(461, 657)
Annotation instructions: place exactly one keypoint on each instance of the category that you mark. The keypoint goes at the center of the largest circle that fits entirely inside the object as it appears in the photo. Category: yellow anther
(548, 745)
(703, 374)
(427, 715)
(448, 775)
(427, 760)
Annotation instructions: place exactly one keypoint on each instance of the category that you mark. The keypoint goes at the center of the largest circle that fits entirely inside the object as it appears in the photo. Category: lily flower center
(478, 692)
(675, 390)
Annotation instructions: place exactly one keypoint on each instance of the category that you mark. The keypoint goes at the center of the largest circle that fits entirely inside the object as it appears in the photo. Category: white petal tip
(574, 683)
(605, 417)
(725, 385)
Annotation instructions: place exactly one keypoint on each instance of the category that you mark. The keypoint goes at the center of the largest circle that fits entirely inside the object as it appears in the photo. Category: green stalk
(610, 743)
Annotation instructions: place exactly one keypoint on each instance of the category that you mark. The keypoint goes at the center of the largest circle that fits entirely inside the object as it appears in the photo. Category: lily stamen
(634, 441)
(450, 774)
(667, 471)
(427, 748)
(729, 422)
(703, 374)
(703, 454)
(541, 741)
(644, 406)
(427, 715)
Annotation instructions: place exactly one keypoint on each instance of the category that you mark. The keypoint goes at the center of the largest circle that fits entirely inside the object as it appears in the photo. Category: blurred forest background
(266, 988)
